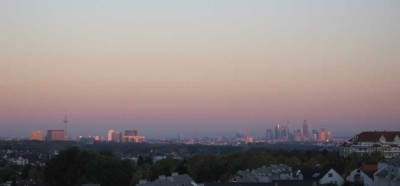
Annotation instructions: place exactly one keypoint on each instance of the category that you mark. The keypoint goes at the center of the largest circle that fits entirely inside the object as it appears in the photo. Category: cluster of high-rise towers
(281, 133)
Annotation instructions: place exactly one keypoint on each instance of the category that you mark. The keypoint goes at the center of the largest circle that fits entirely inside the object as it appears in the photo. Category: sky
(204, 68)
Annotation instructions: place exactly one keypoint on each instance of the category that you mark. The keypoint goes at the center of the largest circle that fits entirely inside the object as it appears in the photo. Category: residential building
(267, 174)
(172, 180)
(273, 183)
(386, 142)
(363, 175)
(324, 176)
(389, 173)
(19, 161)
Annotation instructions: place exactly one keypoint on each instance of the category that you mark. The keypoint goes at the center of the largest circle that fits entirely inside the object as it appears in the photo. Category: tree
(76, 167)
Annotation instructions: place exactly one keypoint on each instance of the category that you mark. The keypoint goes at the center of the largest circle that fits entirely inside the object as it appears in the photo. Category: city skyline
(199, 68)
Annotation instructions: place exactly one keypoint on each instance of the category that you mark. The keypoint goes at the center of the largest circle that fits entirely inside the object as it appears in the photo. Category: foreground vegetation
(110, 164)
(75, 166)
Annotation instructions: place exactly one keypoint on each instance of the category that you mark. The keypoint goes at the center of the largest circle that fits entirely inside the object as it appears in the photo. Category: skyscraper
(110, 135)
(116, 136)
(285, 133)
(277, 132)
(269, 135)
(322, 134)
(306, 131)
(181, 137)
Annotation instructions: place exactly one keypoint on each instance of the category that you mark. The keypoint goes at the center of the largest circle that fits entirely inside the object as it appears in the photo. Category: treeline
(75, 166)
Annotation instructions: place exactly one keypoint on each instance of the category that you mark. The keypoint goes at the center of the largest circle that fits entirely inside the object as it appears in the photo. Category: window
(330, 175)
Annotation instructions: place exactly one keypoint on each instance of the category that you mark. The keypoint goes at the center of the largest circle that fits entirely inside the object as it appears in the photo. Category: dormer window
(382, 139)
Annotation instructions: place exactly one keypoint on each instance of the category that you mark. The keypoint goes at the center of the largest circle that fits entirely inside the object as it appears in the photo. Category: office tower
(298, 135)
(315, 136)
(131, 133)
(181, 137)
(36, 135)
(132, 136)
(269, 135)
(284, 133)
(110, 135)
(329, 136)
(277, 132)
(97, 138)
(55, 135)
(306, 130)
(116, 136)
(322, 134)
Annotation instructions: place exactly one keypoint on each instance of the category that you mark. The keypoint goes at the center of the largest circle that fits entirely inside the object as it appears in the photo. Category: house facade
(388, 174)
(358, 176)
(385, 142)
(331, 177)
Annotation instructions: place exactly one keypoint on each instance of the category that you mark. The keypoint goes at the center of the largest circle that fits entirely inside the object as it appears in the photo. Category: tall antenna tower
(65, 127)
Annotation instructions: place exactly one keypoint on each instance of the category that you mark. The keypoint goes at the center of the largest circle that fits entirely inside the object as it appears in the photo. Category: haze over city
(203, 68)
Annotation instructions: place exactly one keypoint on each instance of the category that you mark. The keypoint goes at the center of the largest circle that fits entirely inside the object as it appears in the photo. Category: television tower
(65, 127)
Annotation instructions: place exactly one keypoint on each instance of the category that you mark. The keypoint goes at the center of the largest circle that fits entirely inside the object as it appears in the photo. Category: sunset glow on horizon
(202, 68)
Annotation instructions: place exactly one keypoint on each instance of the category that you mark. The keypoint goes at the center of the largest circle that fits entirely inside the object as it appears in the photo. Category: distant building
(314, 135)
(277, 132)
(285, 133)
(329, 136)
(36, 135)
(386, 142)
(55, 135)
(269, 135)
(181, 137)
(132, 136)
(131, 133)
(110, 135)
(135, 139)
(97, 138)
(322, 134)
(116, 136)
(306, 131)
(297, 135)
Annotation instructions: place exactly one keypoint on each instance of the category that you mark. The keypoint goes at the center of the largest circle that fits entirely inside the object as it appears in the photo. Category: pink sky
(199, 67)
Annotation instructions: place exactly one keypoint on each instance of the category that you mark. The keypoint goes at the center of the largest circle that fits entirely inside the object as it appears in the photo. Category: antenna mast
(65, 127)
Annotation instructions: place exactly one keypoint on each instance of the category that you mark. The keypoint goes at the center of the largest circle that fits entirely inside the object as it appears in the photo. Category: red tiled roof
(373, 136)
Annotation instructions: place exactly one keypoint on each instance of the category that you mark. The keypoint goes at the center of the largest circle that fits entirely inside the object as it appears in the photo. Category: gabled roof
(317, 173)
(374, 136)
(395, 161)
(369, 169)
(273, 183)
(182, 179)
